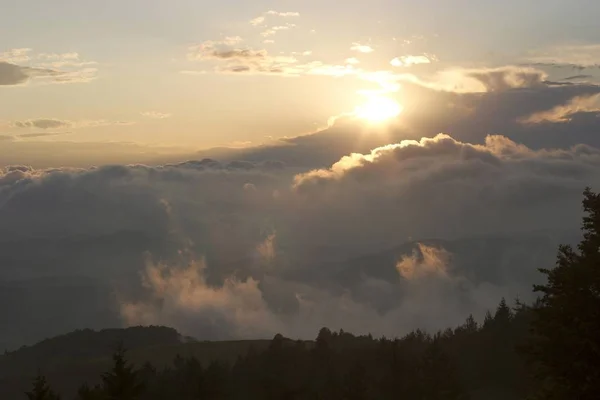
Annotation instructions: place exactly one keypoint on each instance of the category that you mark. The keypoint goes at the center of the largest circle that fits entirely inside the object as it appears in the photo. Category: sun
(378, 109)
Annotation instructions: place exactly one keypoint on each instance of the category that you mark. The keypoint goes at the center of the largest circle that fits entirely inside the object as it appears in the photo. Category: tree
(87, 393)
(487, 320)
(440, 375)
(565, 344)
(503, 313)
(121, 382)
(41, 390)
(470, 325)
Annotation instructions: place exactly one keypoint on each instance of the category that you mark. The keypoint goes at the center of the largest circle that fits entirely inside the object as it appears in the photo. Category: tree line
(546, 350)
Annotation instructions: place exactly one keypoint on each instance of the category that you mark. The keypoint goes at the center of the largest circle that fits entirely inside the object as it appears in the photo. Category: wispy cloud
(273, 30)
(577, 77)
(361, 48)
(222, 50)
(42, 123)
(156, 114)
(20, 66)
(567, 56)
(257, 21)
(564, 113)
(480, 80)
(261, 18)
(407, 61)
(284, 14)
(54, 123)
(16, 55)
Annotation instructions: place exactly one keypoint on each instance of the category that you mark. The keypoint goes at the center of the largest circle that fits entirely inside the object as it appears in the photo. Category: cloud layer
(248, 249)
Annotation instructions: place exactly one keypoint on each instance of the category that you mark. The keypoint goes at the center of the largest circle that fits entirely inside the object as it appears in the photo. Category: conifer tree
(41, 390)
(121, 382)
(440, 375)
(565, 348)
(87, 393)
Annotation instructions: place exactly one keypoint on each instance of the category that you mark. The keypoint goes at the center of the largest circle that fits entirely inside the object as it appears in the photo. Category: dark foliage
(565, 348)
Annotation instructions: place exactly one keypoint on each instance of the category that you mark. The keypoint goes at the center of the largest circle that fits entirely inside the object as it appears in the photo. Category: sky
(241, 169)
(145, 73)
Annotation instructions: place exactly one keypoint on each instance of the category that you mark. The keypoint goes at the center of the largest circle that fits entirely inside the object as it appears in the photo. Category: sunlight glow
(378, 109)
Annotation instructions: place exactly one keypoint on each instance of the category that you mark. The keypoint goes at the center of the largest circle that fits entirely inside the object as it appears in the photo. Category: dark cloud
(42, 123)
(40, 134)
(238, 53)
(12, 74)
(574, 67)
(577, 77)
(247, 249)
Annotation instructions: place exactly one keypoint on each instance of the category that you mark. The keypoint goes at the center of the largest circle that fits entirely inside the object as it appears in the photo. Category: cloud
(232, 40)
(222, 50)
(352, 60)
(250, 248)
(467, 80)
(14, 56)
(261, 18)
(244, 60)
(564, 113)
(361, 48)
(574, 56)
(434, 262)
(251, 308)
(273, 30)
(407, 61)
(11, 74)
(257, 21)
(44, 68)
(52, 123)
(577, 77)
(40, 134)
(42, 123)
(56, 60)
(156, 114)
(284, 14)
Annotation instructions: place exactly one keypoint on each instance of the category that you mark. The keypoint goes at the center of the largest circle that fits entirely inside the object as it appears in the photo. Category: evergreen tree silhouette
(121, 382)
(440, 375)
(87, 393)
(565, 348)
(41, 390)
(503, 313)
(470, 325)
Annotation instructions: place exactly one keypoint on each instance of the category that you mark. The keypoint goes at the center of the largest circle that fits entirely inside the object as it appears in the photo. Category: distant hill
(83, 355)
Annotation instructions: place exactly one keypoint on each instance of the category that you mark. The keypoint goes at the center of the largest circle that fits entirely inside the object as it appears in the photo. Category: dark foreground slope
(475, 361)
(83, 355)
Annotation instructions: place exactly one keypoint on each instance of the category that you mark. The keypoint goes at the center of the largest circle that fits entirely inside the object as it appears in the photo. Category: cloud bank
(248, 249)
